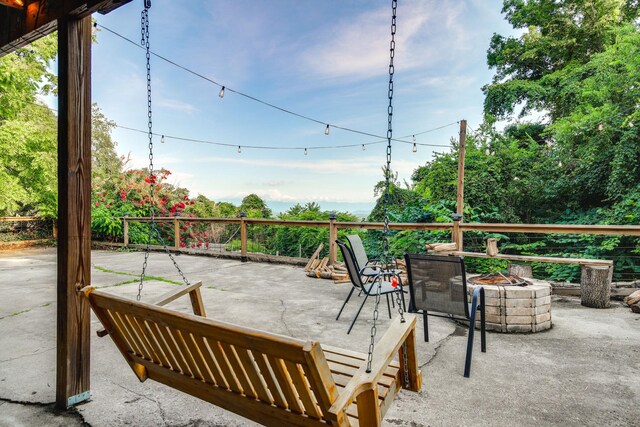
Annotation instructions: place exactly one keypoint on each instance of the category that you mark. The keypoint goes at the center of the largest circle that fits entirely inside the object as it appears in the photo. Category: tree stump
(520, 270)
(595, 286)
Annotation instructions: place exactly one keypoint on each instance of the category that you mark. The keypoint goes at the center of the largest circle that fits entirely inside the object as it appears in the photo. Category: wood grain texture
(38, 18)
(74, 208)
(268, 378)
(462, 149)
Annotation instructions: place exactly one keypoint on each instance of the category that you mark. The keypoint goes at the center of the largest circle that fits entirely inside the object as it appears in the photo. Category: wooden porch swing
(271, 379)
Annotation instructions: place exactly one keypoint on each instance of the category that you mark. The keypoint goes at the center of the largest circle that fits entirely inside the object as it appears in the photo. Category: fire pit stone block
(517, 309)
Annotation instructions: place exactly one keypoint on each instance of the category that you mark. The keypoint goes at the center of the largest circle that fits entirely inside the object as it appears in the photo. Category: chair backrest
(353, 268)
(259, 375)
(437, 284)
(358, 250)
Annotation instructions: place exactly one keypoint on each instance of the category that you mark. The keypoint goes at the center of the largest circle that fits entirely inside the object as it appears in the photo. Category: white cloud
(428, 32)
(175, 104)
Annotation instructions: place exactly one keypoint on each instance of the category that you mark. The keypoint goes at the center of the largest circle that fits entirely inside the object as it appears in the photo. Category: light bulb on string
(363, 147)
(415, 147)
(162, 140)
(221, 93)
(326, 130)
(414, 138)
(239, 149)
(305, 151)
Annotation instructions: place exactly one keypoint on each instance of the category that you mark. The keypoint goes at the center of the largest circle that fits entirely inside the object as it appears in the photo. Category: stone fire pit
(511, 308)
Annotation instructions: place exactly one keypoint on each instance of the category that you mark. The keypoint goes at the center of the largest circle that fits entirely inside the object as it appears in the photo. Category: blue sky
(324, 59)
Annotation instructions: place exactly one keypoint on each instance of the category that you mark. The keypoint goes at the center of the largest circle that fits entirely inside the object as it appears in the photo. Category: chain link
(153, 230)
(387, 173)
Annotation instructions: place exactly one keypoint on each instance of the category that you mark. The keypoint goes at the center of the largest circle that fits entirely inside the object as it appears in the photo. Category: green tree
(557, 34)
(255, 207)
(28, 147)
(105, 162)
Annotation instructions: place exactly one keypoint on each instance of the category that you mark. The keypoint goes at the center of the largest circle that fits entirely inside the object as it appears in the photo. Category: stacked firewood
(633, 301)
(319, 268)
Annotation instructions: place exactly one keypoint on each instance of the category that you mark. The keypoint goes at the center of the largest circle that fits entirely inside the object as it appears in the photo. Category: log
(595, 286)
(520, 270)
(324, 274)
(492, 247)
(635, 307)
(441, 247)
(315, 255)
(632, 299)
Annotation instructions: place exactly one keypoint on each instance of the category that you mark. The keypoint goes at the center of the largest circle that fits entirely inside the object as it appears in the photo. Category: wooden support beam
(22, 24)
(74, 209)
(333, 235)
(462, 152)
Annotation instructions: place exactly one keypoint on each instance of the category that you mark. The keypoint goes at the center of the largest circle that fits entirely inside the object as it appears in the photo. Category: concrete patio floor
(584, 371)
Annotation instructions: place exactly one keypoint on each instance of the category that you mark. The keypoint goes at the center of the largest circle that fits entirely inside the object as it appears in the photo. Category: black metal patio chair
(438, 287)
(369, 288)
(368, 267)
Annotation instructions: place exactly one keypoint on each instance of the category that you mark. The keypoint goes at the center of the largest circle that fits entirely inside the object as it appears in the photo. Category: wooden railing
(41, 230)
(455, 228)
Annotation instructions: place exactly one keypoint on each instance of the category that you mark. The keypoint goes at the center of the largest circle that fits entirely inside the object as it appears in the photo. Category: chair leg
(483, 329)
(345, 302)
(366, 295)
(425, 322)
(388, 306)
(478, 291)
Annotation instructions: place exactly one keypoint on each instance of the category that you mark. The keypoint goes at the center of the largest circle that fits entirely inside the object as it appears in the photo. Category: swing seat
(271, 379)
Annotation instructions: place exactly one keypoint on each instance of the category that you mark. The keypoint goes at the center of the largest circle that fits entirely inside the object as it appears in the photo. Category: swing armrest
(389, 345)
(194, 293)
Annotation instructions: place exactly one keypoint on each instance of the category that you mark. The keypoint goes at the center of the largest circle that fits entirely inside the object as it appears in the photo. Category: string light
(271, 147)
(162, 140)
(414, 139)
(221, 94)
(305, 151)
(239, 149)
(252, 98)
(415, 147)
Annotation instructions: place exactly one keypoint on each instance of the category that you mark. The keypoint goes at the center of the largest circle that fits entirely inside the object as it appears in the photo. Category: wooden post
(333, 236)
(492, 247)
(74, 210)
(125, 227)
(462, 149)
(368, 409)
(415, 375)
(595, 286)
(176, 233)
(243, 237)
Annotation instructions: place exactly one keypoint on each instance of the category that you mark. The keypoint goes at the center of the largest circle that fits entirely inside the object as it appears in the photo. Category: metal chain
(385, 200)
(144, 41)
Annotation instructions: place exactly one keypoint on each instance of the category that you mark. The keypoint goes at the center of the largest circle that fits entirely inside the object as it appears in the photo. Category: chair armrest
(194, 293)
(385, 350)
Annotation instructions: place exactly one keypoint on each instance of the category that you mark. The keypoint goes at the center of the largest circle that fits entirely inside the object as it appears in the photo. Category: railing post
(176, 232)
(460, 194)
(333, 235)
(456, 234)
(125, 230)
(243, 237)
